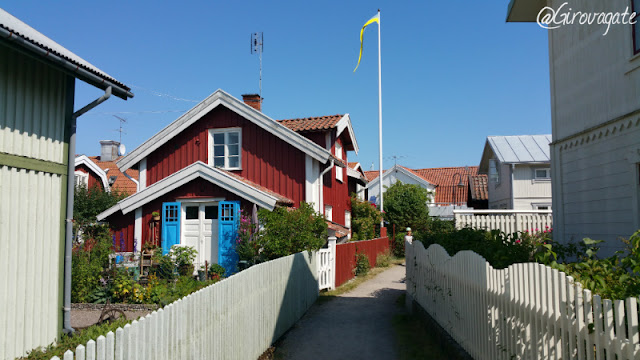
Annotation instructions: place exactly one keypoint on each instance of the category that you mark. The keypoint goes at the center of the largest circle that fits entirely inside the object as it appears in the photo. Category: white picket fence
(508, 221)
(327, 265)
(527, 311)
(236, 318)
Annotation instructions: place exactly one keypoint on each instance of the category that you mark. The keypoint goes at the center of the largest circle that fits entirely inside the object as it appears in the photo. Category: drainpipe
(321, 185)
(68, 241)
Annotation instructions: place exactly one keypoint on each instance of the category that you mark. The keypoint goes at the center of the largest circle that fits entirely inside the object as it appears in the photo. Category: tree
(405, 205)
(87, 203)
(364, 218)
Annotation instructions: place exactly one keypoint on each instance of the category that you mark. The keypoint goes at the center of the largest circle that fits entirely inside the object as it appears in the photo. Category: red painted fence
(346, 256)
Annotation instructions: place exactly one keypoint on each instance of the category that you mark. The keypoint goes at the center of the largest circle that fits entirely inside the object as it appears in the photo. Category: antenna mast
(122, 121)
(257, 41)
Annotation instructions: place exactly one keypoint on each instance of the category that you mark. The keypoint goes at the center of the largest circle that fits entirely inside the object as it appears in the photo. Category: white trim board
(404, 171)
(345, 123)
(182, 177)
(84, 160)
(219, 97)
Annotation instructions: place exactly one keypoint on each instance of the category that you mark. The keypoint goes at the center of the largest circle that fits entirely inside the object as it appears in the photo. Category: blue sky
(453, 72)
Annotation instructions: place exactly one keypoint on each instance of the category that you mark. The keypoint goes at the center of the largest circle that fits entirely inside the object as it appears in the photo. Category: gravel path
(81, 319)
(355, 325)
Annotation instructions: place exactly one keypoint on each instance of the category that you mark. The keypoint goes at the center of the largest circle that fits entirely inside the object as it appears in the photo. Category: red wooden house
(222, 156)
(102, 171)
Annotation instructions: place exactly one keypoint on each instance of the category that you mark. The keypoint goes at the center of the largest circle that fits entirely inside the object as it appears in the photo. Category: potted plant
(202, 273)
(184, 257)
(155, 215)
(216, 271)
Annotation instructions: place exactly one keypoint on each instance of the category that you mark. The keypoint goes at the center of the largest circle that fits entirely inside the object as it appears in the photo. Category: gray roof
(26, 32)
(521, 148)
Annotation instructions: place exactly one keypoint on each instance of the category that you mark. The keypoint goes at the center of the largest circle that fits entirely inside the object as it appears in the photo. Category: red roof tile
(446, 179)
(371, 174)
(340, 230)
(479, 189)
(122, 183)
(312, 123)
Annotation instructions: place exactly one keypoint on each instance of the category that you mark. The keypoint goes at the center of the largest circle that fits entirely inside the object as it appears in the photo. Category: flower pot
(156, 218)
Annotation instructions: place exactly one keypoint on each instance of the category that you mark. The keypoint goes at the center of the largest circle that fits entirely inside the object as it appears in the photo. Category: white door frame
(200, 202)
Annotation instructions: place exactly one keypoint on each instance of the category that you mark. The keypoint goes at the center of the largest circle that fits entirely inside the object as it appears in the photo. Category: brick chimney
(253, 100)
(108, 150)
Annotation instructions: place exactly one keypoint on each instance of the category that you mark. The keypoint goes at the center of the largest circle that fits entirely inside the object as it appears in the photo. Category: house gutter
(68, 241)
(75, 69)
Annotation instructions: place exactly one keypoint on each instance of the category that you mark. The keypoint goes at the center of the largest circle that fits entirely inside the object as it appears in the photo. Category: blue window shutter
(170, 225)
(228, 221)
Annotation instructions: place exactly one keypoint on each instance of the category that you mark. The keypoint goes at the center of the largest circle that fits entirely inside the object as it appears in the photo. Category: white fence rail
(327, 265)
(237, 318)
(527, 311)
(508, 221)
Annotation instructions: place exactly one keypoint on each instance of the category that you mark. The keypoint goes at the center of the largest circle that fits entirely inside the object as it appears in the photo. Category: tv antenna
(122, 121)
(395, 158)
(257, 42)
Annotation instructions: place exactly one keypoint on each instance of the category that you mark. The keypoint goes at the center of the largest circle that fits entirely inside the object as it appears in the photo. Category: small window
(543, 174)
(347, 219)
(191, 212)
(494, 172)
(81, 178)
(328, 212)
(339, 173)
(211, 212)
(225, 148)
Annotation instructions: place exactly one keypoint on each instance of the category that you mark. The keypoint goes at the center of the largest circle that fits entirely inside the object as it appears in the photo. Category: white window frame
(537, 206)
(83, 177)
(328, 212)
(347, 219)
(547, 172)
(210, 148)
(339, 170)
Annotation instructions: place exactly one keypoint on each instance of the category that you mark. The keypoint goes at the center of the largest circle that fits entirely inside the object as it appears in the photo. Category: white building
(519, 172)
(393, 175)
(595, 112)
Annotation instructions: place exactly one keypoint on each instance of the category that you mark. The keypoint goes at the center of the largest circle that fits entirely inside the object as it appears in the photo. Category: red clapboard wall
(346, 256)
(94, 180)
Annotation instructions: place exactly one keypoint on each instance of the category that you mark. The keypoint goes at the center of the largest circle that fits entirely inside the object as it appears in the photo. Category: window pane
(218, 150)
(233, 138)
(234, 162)
(233, 150)
(218, 138)
(211, 212)
(191, 212)
(218, 162)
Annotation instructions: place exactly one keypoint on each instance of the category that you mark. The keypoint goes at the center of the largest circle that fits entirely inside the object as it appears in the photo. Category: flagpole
(380, 118)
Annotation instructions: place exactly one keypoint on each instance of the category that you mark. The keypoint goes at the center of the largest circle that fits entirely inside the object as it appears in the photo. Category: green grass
(413, 339)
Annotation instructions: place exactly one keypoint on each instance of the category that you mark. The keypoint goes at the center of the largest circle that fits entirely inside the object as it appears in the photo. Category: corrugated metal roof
(521, 148)
(30, 34)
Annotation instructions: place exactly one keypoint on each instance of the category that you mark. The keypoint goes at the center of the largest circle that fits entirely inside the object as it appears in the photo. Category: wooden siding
(336, 192)
(346, 256)
(266, 160)
(32, 107)
(94, 180)
(500, 193)
(122, 227)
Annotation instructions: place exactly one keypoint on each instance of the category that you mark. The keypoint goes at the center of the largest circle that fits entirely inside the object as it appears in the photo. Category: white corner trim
(345, 123)
(137, 227)
(84, 160)
(219, 97)
(142, 173)
(182, 177)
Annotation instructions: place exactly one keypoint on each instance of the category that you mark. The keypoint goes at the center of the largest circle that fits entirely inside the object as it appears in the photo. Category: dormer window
(225, 148)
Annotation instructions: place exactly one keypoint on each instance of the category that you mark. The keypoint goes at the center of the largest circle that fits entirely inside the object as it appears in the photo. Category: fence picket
(68, 355)
(101, 350)
(119, 350)
(91, 350)
(632, 328)
(80, 352)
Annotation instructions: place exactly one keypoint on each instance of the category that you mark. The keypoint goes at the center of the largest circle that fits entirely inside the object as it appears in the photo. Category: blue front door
(170, 225)
(228, 220)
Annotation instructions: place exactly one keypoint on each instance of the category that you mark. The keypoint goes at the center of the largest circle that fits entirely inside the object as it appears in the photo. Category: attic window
(494, 173)
(225, 148)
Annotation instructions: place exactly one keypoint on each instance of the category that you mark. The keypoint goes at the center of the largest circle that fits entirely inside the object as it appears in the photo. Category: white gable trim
(345, 123)
(84, 160)
(207, 105)
(182, 177)
(404, 171)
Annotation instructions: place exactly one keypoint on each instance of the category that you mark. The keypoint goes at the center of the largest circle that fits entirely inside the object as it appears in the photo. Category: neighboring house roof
(478, 186)
(219, 97)
(125, 182)
(340, 231)
(354, 170)
(23, 35)
(321, 123)
(372, 174)
(373, 178)
(84, 160)
(446, 180)
(224, 179)
(519, 149)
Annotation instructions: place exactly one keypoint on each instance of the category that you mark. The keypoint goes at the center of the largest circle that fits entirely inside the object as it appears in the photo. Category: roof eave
(524, 10)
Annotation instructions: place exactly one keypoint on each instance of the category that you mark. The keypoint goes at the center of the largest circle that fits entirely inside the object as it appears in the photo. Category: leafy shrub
(383, 259)
(89, 262)
(166, 266)
(364, 218)
(398, 245)
(362, 264)
(217, 269)
(184, 256)
(87, 203)
(405, 205)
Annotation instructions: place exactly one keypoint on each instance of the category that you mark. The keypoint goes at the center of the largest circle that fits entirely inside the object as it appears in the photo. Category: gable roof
(354, 170)
(321, 123)
(478, 187)
(22, 35)
(518, 149)
(126, 181)
(84, 160)
(219, 97)
(410, 173)
(224, 179)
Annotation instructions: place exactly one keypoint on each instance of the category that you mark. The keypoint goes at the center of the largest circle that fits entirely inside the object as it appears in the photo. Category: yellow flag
(376, 18)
